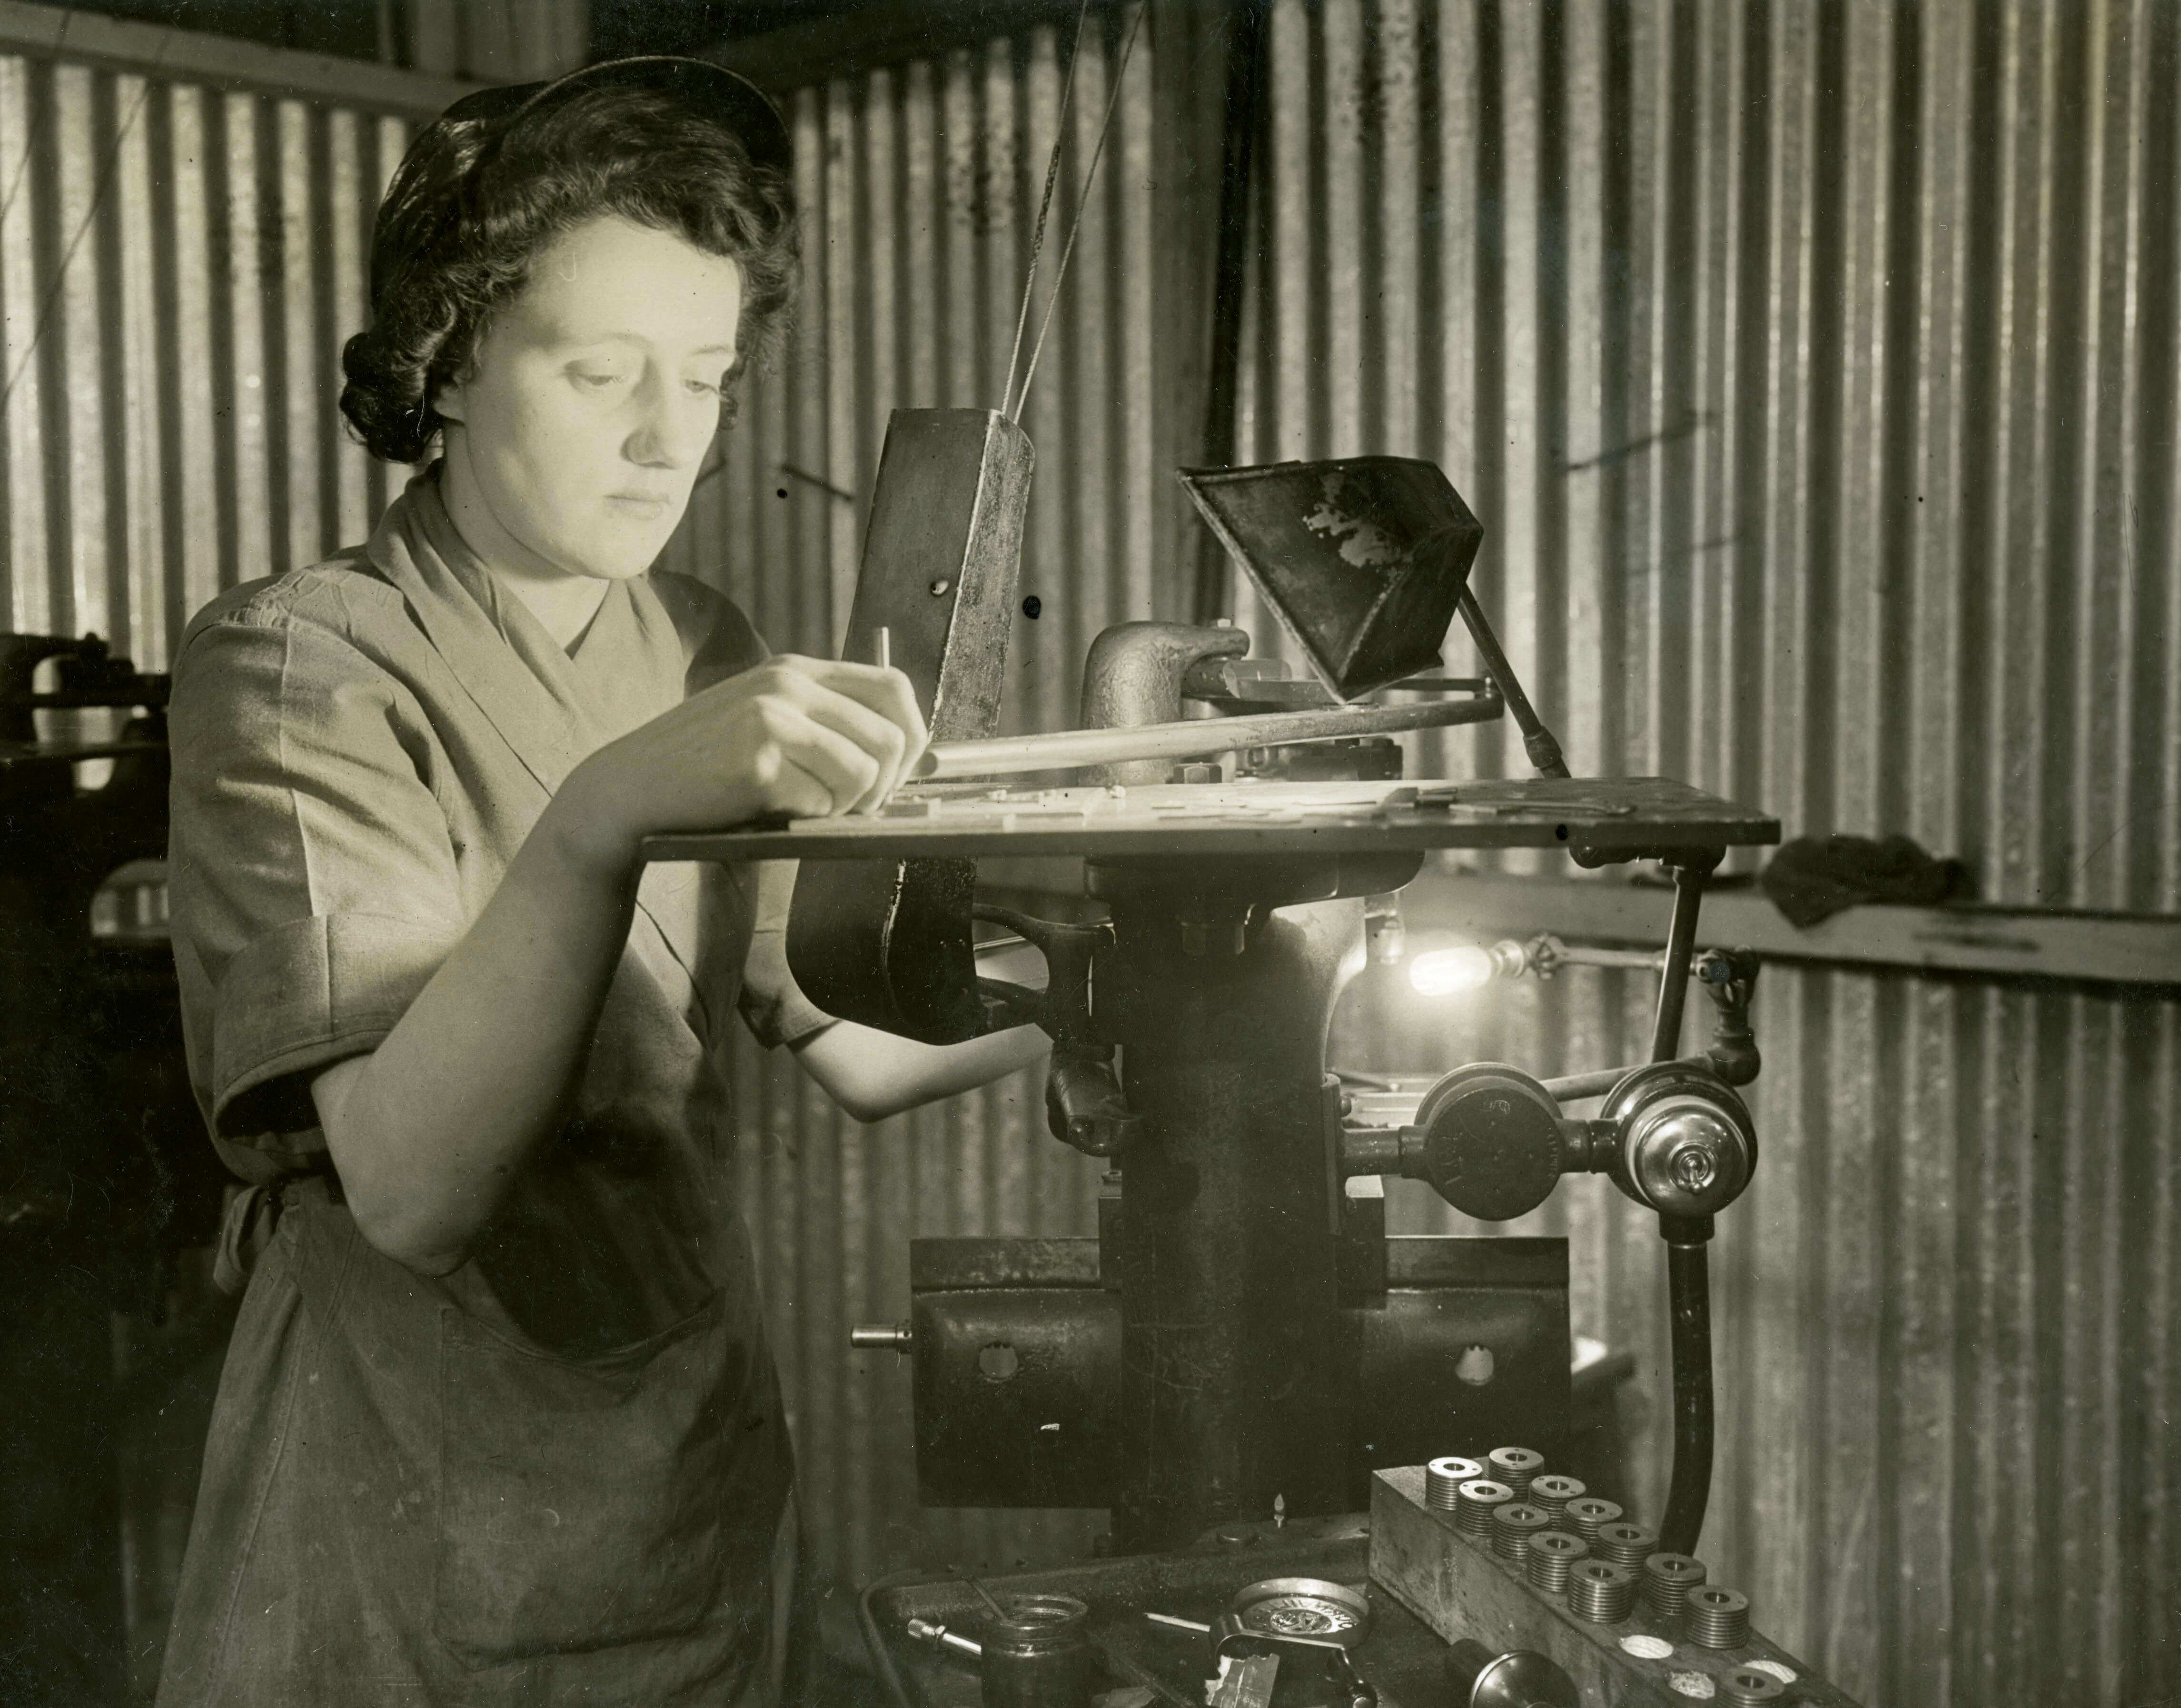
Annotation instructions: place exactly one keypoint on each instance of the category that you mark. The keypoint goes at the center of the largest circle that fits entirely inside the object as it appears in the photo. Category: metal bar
(1537, 740)
(1191, 738)
(1570, 1088)
(1674, 971)
(1980, 942)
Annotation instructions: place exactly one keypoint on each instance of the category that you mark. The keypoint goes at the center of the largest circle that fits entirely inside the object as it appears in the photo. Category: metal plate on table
(1613, 818)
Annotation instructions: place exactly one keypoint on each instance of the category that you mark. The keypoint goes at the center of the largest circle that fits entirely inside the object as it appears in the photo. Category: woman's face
(573, 440)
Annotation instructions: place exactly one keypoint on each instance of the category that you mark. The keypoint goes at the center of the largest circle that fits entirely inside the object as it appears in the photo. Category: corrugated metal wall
(178, 266)
(1813, 368)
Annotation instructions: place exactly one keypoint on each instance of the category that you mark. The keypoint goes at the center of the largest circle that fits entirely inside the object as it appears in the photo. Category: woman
(499, 1422)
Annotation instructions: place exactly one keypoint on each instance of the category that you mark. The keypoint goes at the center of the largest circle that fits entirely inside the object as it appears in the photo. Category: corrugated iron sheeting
(179, 267)
(1813, 369)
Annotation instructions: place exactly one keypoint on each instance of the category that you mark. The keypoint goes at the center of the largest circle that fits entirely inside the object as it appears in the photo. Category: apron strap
(253, 1216)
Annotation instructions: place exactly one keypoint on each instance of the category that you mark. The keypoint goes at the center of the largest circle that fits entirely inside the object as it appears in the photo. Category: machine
(1241, 1355)
(104, 1176)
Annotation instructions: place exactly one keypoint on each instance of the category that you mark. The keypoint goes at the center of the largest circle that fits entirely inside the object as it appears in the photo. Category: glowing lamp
(1443, 972)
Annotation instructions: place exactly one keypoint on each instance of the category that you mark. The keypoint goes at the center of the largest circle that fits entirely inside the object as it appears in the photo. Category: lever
(1084, 1103)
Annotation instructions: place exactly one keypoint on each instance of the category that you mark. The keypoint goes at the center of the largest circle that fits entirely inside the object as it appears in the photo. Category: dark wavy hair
(475, 200)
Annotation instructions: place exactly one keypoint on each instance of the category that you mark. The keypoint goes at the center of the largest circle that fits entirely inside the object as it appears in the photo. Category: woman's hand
(804, 737)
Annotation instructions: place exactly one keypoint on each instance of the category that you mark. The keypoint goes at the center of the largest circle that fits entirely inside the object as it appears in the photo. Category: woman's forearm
(872, 1075)
(428, 1132)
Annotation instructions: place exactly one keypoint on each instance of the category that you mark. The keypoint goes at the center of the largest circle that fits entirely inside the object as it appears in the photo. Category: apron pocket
(579, 1503)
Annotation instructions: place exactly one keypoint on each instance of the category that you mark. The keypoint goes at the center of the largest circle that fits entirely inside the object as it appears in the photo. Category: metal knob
(881, 1337)
(1491, 1141)
(1684, 1143)
(1520, 1678)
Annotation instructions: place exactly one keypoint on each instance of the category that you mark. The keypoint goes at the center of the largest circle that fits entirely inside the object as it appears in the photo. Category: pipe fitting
(1132, 675)
(1685, 1145)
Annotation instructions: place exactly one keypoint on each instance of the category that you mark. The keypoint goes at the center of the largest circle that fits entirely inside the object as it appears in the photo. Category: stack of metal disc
(1667, 1580)
(1515, 1466)
(1553, 1555)
(1513, 1523)
(1746, 1686)
(1552, 1493)
(1586, 1515)
(1719, 1618)
(1625, 1544)
(1474, 1503)
(1443, 1478)
(1601, 1592)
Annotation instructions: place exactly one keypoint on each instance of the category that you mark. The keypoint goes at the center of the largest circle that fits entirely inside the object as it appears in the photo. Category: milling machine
(1241, 1338)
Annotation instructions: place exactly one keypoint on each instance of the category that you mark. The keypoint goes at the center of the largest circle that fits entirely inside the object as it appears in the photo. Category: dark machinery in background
(1241, 1351)
(104, 1176)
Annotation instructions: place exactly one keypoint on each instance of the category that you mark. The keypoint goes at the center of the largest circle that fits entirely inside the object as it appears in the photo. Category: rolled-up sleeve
(311, 873)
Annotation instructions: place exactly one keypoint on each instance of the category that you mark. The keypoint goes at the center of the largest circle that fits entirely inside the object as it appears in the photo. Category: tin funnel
(1363, 560)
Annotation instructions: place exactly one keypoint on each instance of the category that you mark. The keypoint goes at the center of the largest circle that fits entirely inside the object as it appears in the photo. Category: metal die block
(1463, 1591)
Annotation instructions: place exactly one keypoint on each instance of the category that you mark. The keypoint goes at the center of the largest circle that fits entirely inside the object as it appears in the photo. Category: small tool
(1245, 1681)
(983, 1595)
(1308, 1622)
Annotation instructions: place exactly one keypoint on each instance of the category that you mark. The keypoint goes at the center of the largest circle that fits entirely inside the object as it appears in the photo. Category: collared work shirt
(559, 1473)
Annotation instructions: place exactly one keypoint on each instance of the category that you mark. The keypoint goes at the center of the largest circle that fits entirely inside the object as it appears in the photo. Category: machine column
(1230, 1390)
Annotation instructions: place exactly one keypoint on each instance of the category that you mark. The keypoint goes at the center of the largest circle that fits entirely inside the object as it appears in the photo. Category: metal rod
(930, 1631)
(1538, 741)
(1189, 738)
(1674, 975)
(1688, 1297)
(1570, 1088)
(983, 1595)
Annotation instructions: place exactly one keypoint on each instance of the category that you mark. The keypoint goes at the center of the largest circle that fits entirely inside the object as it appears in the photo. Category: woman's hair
(475, 200)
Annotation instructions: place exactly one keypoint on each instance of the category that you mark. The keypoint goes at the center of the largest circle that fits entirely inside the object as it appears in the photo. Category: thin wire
(1082, 200)
(106, 175)
(1044, 208)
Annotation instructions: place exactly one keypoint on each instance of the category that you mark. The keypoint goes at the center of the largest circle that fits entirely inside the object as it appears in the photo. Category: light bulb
(1443, 972)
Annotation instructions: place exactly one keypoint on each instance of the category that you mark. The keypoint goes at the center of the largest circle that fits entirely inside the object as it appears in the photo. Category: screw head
(938, 588)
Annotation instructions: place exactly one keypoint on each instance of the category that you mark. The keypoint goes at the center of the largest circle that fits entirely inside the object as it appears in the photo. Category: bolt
(1692, 1168)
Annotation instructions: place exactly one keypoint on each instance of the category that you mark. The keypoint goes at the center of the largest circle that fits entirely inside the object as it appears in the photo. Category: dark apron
(406, 1500)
